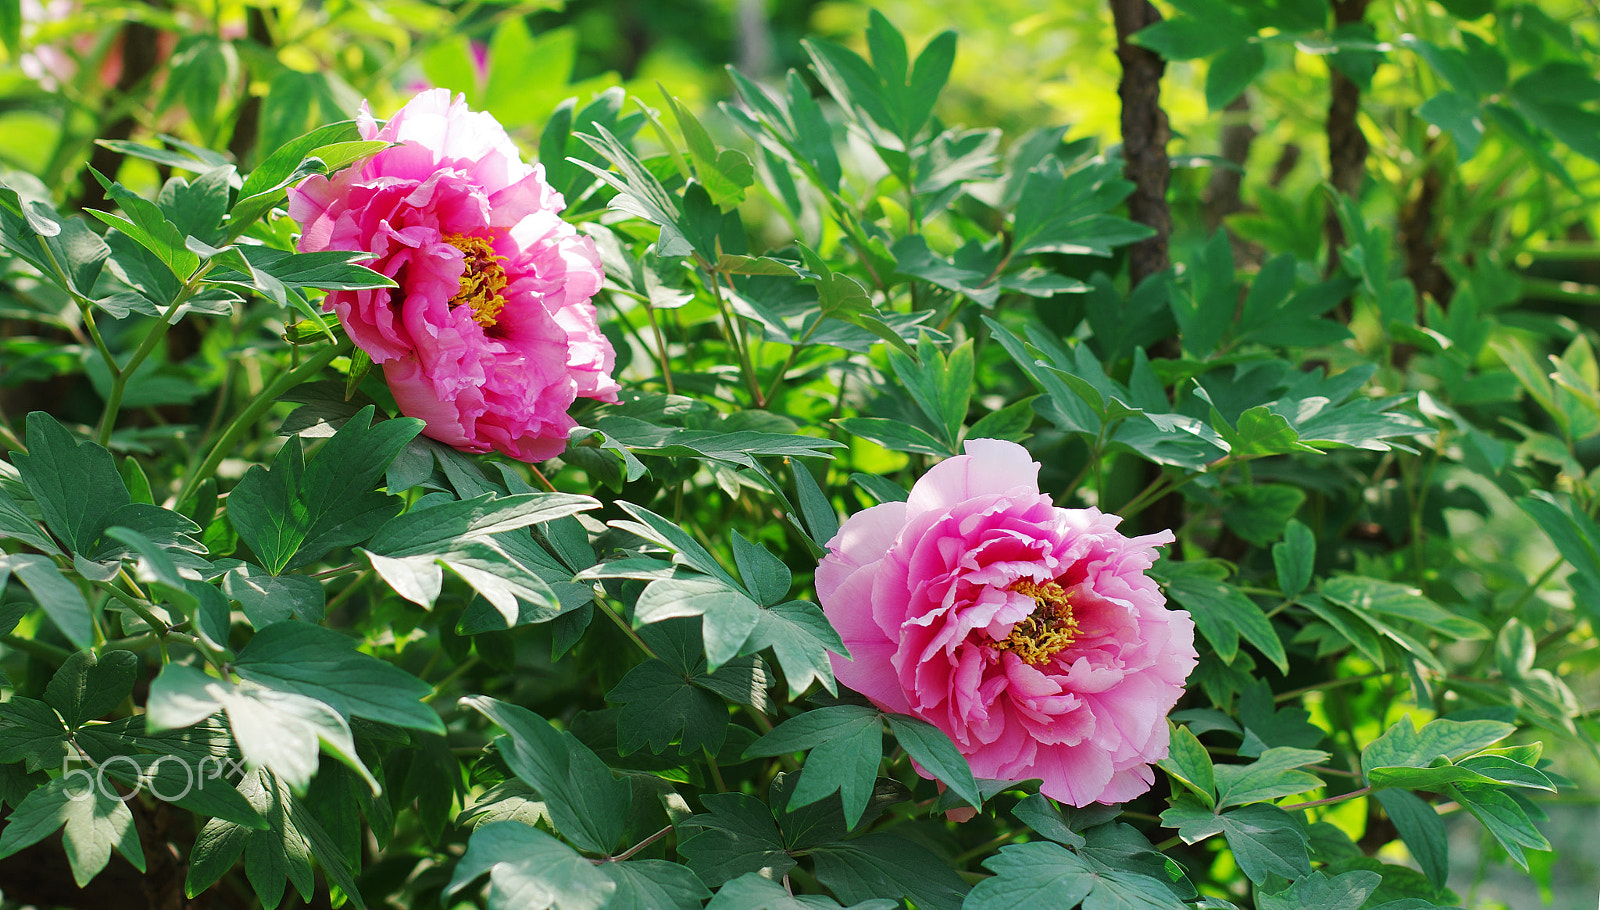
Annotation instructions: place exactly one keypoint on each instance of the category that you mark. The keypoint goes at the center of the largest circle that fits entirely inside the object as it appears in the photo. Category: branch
(1347, 145)
(1144, 137)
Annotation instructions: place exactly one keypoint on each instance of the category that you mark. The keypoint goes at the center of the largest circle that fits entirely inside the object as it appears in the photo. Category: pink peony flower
(1028, 633)
(490, 336)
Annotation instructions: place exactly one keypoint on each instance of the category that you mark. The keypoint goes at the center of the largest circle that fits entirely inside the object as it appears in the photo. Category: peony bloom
(490, 336)
(1028, 633)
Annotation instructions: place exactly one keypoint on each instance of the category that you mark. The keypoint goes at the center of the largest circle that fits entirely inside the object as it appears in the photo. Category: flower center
(483, 278)
(1049, 629)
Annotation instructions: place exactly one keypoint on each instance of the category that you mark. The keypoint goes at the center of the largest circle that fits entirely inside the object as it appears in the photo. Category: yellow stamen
(1049, 629)
(483, 279)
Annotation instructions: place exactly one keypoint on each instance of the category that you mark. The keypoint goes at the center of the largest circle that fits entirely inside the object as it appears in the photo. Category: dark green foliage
(253, 619)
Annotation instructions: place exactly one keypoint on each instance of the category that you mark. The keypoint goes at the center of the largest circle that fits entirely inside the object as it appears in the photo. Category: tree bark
(1347, 145)
(1144, 137)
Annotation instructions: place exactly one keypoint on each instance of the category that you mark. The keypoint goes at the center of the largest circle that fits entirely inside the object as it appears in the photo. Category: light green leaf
(323, 664)
(1190, 764)
(846, 743)
(89, 685)
(1272, 775)
(96, 821)
(929, 747)
(528, 868)
(1046, 876)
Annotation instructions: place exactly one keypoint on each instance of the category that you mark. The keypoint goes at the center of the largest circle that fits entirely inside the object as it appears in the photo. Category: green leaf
(56, 595)
(1457, 115)
(1422, 830)
(588, 805)
(1232, 72)
(298, 510)
(896, 436)
(16, 525)
(264, 187)
(883, 865)
(1272, 775)
(33, 734)
(328, 269)
(196, 208)
(1267, 725)
(725, 173)
(764, 575)
(1046, 876)
(1345, 891)
(1503, 818)
(1294, 557)
(1367, 596)
(267, 599)
(1404, 746)
(147, 226)
(822, 822)
(89, 685)
(1064, 213)
(1260, 432)
(846, 743)
(1575, 535)
(96, 821)
(1190, 764)
(1010, 422)
(754, 892)
(1222, 613)
(639, 192)
(822, 523)
(439, 528)
(1266, 840)
(280, 731)
(1210, 26)
(75, 484)
(739, 447)
(800, 637)
(880, 488)
(653, 884)
(279, 853)
(658, 530)
(1260, 512)
(35, 232)
(727, 616)
(662, 707)
(1044, 816)
(932, 749)
(199, 786)
(529, 868)
(736, 835)
(324, 665)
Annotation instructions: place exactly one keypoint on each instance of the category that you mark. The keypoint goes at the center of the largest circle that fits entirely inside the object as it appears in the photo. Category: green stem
(661, 346)
(1568, 291)
(1282, 697)
(746, 367)
(250, 417)
(99, 343)
(716, 773)
(606, 608)
(1534, 586)
(120, 376)
(44, 649)
(984, 849)
(452, 676)
(347, 591)
(628, 853)
(1353, 794)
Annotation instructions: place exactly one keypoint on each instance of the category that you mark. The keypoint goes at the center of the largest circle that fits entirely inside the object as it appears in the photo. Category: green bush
(256, 623)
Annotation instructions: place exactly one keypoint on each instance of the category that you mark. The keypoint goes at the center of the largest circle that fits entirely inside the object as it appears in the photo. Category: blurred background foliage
(1480, 173)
